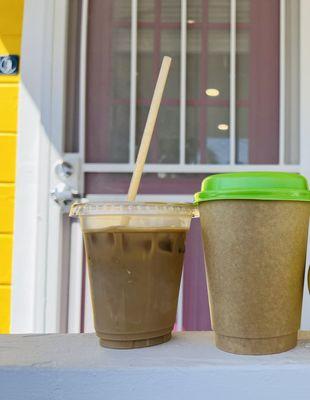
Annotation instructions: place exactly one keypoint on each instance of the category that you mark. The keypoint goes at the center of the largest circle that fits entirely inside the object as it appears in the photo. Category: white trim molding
(32, 149)
(188, 168)
(232, 84)
(36, 256)
(305, 130)
(304, 88)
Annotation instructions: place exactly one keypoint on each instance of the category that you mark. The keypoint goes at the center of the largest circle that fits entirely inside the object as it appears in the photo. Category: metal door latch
(64, 195)
(66, 187)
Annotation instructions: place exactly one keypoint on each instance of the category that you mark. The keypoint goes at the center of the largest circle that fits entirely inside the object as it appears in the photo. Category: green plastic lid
(254, 186)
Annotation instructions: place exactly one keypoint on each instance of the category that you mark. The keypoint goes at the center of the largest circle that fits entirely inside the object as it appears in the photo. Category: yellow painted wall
(11, 14)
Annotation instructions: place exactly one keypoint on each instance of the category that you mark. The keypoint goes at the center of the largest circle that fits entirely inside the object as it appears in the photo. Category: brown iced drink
(135, 256)
(135, 277)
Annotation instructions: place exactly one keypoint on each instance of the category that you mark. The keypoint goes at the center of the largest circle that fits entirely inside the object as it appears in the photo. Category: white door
(236, 100)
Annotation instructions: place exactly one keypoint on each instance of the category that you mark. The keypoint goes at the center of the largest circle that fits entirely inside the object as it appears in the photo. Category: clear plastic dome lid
(132, 208)
(133, 215)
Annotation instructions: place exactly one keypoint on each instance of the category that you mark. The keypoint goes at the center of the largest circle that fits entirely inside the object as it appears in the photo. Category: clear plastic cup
(135, 256)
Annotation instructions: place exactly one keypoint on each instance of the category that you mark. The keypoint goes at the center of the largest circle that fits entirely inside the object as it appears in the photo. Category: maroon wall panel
(99, 73)
(196, 315)
(264, 82)
(118, 183)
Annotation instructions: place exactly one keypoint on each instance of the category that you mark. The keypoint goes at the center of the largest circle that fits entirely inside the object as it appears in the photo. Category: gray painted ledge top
(185, 350)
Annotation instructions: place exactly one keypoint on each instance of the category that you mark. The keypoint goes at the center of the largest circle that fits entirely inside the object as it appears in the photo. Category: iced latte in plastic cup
(135, 256)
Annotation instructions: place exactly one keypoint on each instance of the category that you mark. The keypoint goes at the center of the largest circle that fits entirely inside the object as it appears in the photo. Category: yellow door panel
(7, 157)
(6, 207)
(11, 15)
(9, 44)
(6, 248)
(8, 107)
(5, 299)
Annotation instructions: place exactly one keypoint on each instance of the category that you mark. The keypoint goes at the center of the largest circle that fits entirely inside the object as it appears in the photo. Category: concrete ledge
(188, 367)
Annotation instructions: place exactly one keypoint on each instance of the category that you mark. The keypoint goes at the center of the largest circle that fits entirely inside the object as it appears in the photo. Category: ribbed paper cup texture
(255, 254)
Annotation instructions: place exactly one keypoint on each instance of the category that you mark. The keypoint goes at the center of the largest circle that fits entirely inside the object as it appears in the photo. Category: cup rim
(102, 208)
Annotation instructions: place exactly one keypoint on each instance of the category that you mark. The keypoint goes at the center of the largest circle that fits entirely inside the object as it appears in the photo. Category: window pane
(193, 87)
(242, 65)
(242, 96)
(146, 11)
(118, 140)
(216, 142)
(207, 81)
(218, 11)
(217, 72)
(292, 83)
(171, 10)
(168, 135)
(218, 135)
(145, 79)
(242, 142)
(108, 81)
(121, 64)
(122, 10)
(194, 11)
(155, 40)
(192, 153)
(207, 113)
(243, 11)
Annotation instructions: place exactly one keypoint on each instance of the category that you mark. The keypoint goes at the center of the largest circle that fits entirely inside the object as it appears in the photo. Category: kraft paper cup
(255, 255)
(135, 256)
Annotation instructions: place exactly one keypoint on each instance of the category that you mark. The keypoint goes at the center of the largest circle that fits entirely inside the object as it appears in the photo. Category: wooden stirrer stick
(149, 128)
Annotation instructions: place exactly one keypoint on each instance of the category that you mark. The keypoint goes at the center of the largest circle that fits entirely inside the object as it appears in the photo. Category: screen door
(231, 104)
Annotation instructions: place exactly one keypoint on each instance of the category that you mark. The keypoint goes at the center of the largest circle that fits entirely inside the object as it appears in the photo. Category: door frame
(305, 132)
(38, 245)
(38, 228)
